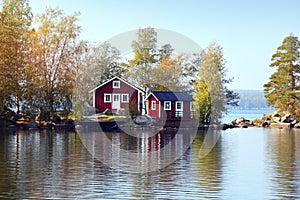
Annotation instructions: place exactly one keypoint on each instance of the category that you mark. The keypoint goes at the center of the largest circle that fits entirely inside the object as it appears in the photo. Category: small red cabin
(117, 95)
(169, 105)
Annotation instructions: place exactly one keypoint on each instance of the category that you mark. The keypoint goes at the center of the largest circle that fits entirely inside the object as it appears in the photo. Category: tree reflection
(209, 168)
(284, 148)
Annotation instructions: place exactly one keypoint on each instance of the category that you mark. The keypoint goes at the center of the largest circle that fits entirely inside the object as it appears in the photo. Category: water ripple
(245, 164)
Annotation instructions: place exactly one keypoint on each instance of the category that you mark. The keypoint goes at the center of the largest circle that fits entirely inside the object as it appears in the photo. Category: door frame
(116, 104)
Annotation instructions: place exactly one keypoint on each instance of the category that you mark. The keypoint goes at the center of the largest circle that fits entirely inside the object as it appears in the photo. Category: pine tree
(281, 91)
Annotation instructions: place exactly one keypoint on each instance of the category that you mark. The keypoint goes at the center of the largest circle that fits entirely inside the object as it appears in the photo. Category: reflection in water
(145, 153)
(284, 162)
(209, 176)
(245, 164)
(39, 164)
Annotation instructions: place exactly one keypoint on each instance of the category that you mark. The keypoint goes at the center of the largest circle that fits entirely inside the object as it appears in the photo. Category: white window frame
(105, 95)
(165, 105)
(191, 106)
(116, 84)
(179, 112)
(181, 103)
(153, 105)
(127, 98)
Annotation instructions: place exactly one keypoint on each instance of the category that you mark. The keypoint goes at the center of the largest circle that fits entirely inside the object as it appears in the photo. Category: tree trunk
(292, 76)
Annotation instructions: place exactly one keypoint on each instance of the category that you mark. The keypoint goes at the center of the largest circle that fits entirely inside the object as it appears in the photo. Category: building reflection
(142, 151)
(43, 164)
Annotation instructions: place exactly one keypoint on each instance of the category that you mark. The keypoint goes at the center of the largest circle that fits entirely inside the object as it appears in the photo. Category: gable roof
(120, 79)
(172, 96)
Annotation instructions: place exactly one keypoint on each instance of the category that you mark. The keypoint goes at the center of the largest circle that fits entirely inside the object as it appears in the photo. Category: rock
(143, 119)
(225, 127)
(257, 122)
(230, 125)
(276, 119)
(266, 117)
(293, 123)
(243, 125)
(275, 114)
(297, 125)
(266, 123)
(240, 120)
(286, 118)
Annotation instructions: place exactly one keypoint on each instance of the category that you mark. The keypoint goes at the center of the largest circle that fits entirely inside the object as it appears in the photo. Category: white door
(116, 101)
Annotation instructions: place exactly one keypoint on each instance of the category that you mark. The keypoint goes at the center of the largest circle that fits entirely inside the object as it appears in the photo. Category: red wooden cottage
(169, 105)
(117, 95)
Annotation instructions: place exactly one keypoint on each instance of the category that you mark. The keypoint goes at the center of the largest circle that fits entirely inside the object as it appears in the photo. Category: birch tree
(54, 57)
(15, 19)
(212, 94)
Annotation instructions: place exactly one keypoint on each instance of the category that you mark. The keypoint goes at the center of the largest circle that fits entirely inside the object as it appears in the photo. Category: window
(153, 105)
(191, 106)
(107, 98)
(116, 84)
(125, 98)
(179, 109)
(179, 105)
(167, 105)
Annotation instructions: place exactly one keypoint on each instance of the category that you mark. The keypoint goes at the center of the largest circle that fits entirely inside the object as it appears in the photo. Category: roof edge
(121, 79)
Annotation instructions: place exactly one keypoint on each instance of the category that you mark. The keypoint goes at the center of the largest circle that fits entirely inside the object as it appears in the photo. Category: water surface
(253, 163)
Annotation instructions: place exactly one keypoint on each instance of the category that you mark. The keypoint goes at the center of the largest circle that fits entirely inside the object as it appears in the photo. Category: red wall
(186, 109)
(153, 113)
(167, 113)
(107, 88)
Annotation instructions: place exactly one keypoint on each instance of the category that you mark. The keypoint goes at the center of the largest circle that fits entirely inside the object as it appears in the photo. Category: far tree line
(45, 67)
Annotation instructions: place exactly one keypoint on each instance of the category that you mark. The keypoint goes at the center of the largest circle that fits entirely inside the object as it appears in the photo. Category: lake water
(247, 114)
(253, 163)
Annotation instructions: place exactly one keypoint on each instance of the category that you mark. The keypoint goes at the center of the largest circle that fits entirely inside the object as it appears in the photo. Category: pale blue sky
(249, 31)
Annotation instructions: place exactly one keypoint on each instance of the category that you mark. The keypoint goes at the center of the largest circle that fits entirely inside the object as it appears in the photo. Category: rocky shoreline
(272, 120)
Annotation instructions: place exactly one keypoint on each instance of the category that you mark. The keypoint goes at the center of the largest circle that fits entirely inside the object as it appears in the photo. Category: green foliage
(158, 69)
(202, 103)
(78, 109)
(212, 94)
(282, 90)
(144, 49)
